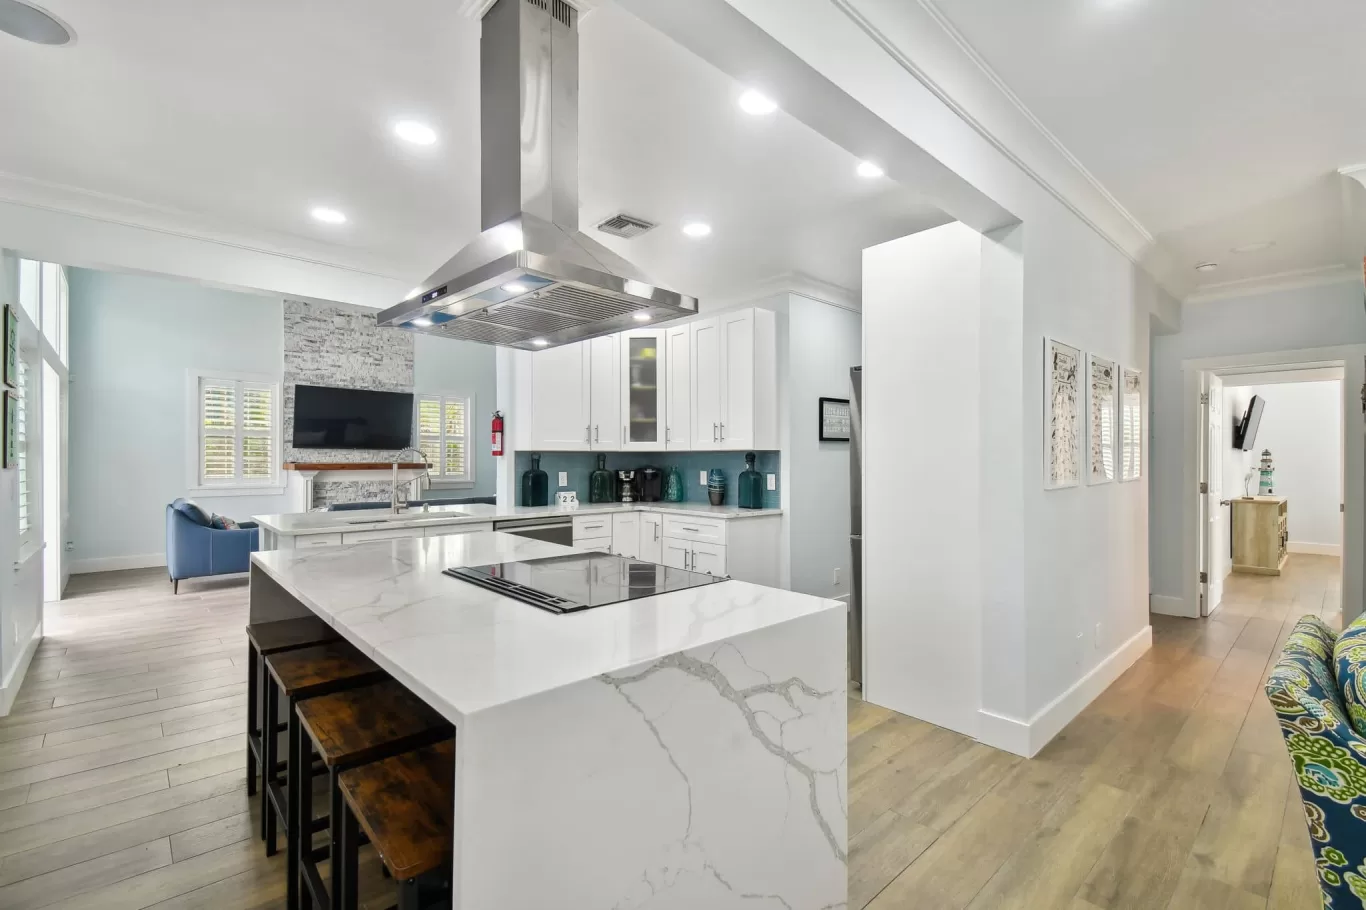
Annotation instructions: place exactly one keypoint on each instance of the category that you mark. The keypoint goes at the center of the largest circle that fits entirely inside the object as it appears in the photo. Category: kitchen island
(682, 750)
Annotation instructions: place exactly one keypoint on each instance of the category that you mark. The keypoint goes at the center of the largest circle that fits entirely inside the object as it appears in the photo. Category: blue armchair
(196, 549)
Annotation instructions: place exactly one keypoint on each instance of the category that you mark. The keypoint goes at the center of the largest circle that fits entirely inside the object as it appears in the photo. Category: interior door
(678, 388)
(737, 380)
(559, 399)
(1216, 516)
(706, 384)
(605, 393)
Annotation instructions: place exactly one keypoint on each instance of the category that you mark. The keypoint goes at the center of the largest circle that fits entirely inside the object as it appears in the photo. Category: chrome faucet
(394, 507)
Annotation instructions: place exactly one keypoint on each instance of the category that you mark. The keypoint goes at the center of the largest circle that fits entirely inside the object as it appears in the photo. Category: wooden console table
(1260, 535)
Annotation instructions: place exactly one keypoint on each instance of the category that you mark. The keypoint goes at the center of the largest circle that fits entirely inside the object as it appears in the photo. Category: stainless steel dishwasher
(554, 530)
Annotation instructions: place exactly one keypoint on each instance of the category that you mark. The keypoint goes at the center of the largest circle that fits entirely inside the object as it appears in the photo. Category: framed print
(1100, 419)
(11, 367)
(835, 420)
(1062, 415)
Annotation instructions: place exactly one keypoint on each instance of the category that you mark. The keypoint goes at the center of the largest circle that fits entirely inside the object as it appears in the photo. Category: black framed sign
(835, 420)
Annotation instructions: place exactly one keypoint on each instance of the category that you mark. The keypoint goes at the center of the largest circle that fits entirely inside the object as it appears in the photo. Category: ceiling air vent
(623, 225)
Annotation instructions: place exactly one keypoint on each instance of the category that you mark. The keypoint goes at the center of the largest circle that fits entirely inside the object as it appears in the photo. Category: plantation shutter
(258, 422)
(443, 435)
(237, 432)
(429, 430)
(453, 452)
(21, 431)
(218, 408)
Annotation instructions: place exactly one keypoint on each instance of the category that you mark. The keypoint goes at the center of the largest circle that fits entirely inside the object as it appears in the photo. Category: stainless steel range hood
(531, 280)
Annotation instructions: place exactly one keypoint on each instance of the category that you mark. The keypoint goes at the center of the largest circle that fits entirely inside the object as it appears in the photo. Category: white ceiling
(234, 119)
(1215, 123)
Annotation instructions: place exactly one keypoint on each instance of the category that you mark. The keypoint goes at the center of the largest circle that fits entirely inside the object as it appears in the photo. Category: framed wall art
(1062, 415)
(1101, 444)
(11, 341)
(835, 421)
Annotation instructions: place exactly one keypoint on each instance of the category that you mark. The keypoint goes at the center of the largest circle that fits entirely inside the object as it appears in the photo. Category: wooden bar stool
(349, 729)
(270, 638)
(299, 674)
(406, 806)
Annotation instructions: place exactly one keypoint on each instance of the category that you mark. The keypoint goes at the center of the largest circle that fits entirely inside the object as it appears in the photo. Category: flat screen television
(1245, 433)
(327, 418)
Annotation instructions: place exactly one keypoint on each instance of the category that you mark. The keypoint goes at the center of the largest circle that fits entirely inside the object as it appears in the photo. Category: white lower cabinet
(380, 534)
(598, 544)
(676, 554)
(695, 557)
(447, 530)
(651, 538)
(626, 534)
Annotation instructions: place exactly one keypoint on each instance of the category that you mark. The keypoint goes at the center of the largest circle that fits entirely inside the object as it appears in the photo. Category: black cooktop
(581, 581)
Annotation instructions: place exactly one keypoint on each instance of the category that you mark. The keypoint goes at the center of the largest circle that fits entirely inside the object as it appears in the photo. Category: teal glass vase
(751, 485)
(600, 487)
(535, 485)
(673, 485)
(716, 487)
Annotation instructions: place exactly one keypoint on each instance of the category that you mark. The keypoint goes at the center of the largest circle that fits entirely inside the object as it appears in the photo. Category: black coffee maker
(651, 484)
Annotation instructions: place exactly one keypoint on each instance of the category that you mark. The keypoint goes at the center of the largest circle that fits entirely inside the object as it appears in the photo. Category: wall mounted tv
(326, 418)
(1245, 433)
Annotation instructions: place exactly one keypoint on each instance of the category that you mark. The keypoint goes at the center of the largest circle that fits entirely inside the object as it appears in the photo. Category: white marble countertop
(475, 513)
(465, 649)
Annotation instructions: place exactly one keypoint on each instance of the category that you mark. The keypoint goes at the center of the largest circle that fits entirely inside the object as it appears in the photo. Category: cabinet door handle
(623, 432)
(685, 559)
(656, 530)
(595, 433)
(714, 436)
(723, 432)
(694, 530)
(588, 433)
(668, 433)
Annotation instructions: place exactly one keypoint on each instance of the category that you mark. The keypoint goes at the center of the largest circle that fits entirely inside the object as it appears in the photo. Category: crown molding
(1281, 281)
(790, 283)
(1356, 171)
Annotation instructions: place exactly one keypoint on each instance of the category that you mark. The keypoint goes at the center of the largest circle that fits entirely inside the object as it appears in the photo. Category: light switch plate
(564, 478)
(772, 481)
(702, 477)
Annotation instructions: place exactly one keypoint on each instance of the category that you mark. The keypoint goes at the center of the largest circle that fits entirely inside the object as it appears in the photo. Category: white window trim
(195, 430)
(437, 480)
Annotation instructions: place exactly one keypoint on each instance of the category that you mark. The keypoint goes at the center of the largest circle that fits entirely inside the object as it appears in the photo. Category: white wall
(824, 341)
(132, 339)
(448, 365)
(1302, 426)
(1284, 320)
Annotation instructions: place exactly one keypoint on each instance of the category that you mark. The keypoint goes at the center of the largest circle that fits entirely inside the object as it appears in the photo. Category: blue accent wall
(580, 464)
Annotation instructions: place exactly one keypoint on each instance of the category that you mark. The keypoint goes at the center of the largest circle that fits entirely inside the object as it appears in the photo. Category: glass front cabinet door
(643, 380)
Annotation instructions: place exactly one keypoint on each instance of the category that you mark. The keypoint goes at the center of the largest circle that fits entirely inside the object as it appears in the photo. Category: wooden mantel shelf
(353, 466)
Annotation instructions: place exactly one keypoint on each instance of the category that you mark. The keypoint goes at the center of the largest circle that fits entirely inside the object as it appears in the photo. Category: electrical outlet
(837, 568)
(772, 481)
(564, 478)
(702, 477)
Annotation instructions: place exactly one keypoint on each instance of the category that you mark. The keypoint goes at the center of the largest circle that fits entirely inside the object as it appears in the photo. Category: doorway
(1271, 455)
(54, 496)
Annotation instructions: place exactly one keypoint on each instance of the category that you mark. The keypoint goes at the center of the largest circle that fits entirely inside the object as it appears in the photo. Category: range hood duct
(531, 280)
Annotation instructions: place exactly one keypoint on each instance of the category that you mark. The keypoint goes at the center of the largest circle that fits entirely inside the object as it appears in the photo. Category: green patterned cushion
(1349, 659)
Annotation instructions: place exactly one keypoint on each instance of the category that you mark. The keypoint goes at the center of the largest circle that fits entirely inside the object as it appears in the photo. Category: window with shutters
(443, 435)
(237, 421)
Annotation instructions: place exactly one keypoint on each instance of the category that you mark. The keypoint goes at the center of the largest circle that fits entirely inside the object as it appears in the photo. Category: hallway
(1172, 790)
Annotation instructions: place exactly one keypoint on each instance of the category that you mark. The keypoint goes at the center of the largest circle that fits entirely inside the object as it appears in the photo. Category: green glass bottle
(535, 484)
(751, 485)
(673, 485)
(600, 486)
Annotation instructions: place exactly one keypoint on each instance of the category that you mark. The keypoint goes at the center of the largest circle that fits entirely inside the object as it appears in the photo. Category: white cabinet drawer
(309, 541)
(380, 534)
(586, 526)
(601, 544)
(702, 530)
(445, 530)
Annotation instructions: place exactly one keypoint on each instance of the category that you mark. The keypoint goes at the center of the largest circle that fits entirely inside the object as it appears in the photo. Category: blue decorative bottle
(751, 485)
(716, 487)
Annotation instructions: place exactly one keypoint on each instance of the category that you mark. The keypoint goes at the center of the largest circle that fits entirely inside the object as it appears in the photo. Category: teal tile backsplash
(578, 465)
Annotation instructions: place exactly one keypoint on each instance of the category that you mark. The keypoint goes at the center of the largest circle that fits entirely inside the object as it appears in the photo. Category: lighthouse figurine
(1267, 471)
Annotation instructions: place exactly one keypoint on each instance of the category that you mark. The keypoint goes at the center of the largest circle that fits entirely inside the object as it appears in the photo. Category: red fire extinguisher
(498, 433)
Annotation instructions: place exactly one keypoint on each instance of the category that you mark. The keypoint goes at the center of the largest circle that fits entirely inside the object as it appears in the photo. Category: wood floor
(121, 773)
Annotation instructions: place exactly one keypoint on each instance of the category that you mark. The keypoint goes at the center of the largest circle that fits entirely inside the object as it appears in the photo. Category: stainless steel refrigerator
(856, 527)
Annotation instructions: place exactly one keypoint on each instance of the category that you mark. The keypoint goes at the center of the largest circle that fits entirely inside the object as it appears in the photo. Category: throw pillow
(1349, 660)
(223, 523)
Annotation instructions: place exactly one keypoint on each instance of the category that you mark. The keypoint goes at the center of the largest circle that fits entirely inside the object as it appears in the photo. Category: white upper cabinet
(678, 388)
(559, 398)
(644, 379)
(706, 384)
(734, 381)
(604, 392)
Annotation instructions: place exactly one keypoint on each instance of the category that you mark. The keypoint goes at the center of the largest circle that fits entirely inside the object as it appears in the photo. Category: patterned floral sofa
(1328, 753)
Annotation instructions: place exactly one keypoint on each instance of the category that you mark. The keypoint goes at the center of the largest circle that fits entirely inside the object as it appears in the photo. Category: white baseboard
(10, 689)
(115, 563)
(1314, 549)
(1027, 738)
(1169, 606)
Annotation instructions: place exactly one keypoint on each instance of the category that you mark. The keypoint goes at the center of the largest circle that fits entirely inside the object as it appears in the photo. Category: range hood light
(539, 342)
(515, 287)
(422, 321)
(643, 316)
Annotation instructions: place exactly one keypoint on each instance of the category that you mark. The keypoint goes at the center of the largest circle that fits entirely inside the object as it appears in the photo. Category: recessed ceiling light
(697, 229)
(539, 342)
(422, 321)
(515, 287)
(328, 216)
(414, 132)
(1206, 266)
(29, 23)
(1256, 247)
(642, 316)
(752, 102)
(869, 170)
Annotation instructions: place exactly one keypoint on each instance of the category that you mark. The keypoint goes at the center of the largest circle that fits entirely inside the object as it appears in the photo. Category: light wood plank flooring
(121, 772)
